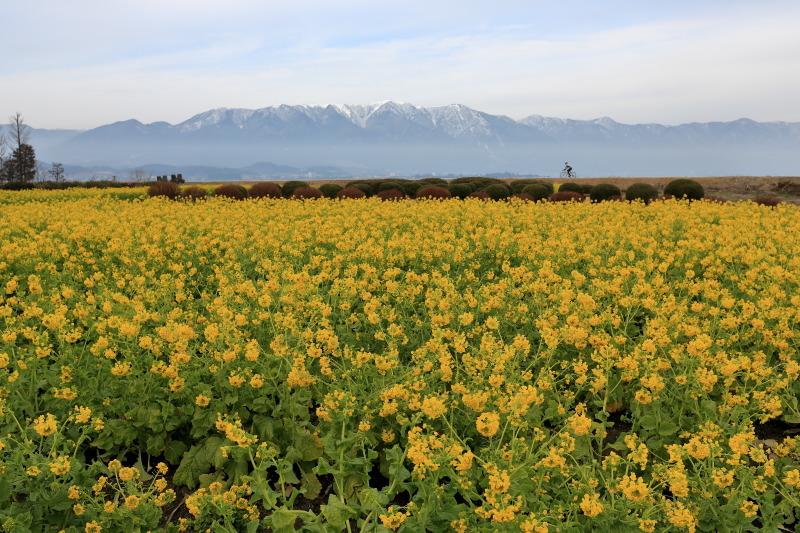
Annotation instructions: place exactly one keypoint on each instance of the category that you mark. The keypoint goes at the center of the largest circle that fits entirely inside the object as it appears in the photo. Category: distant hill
(407, 139)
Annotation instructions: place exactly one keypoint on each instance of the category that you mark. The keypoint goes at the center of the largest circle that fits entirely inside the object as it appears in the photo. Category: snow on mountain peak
(214, 117)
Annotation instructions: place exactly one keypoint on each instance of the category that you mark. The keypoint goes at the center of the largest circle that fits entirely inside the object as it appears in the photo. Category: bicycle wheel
(563, 175)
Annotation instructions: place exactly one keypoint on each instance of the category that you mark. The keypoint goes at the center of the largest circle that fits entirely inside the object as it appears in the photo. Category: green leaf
(144, 476)
(263, 404)
(288, 475)
(22, 523)
(208, 479)
(552, 409)
(5, 489)
(324, 467)
(336, 512)
(293, 455)
(202, 421)
(230, 399)
(667, 428)
(351, 484)
(309, 445)
(263, 427)
(709, 406)
(213, 451)
(118, 432)
(155, 443)
(282, 520)
(310, 486)
(174, 451)
(58, 501)
(193, 464)
(648, 422)
(372, 499)
(237, 469)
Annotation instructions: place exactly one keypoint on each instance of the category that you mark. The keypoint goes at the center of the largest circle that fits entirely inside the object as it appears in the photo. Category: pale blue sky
(85, 63)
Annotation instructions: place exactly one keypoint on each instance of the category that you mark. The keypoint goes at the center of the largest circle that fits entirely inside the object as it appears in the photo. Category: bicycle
(568, 174)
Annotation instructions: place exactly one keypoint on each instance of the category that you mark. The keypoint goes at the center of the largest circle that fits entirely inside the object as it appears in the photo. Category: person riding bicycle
(568, 170)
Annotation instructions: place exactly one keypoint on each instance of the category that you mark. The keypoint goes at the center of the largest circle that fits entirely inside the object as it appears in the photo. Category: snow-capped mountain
(404, 138)
(387, 119)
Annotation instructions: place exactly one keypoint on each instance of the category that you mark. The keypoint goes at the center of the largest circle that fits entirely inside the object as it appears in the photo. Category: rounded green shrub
(518, 185)
(366, 188)
(603, 192)
(571, 187)
(411, 187)
(460, 190)
(641, 191)
(537, 191)
(388, 185)
(498, 191)
(289, 187)
(330, 190)
(549, 185)
(685, 188)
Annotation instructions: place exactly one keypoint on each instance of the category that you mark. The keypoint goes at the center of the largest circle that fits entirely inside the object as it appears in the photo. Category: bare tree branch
(138, 174)
(20, 132)
(56, 173)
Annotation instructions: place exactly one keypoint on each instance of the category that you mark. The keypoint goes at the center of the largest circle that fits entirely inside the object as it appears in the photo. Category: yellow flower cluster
(217, 495)
(544, 363)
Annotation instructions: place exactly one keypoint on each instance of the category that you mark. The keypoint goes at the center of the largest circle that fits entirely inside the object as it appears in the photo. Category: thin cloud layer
(86, 63)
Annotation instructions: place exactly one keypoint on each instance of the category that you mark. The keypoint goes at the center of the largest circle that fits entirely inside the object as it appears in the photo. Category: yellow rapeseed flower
(488, 424)
(45, 425)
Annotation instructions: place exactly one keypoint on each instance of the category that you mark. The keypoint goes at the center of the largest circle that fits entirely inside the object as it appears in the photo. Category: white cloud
(93, 62)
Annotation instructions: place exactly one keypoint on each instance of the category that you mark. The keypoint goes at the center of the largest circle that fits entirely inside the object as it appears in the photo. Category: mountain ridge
(404, 138)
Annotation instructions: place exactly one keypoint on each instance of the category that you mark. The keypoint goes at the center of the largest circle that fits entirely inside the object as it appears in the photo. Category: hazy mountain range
(392, 137)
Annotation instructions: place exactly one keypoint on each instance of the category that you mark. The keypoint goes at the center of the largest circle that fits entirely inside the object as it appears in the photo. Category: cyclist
(568, 170)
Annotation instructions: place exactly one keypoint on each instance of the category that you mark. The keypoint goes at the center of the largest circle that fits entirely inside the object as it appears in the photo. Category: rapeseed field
(358, 365)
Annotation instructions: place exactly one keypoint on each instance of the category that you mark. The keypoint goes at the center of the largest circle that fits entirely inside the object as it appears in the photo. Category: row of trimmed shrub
(394, 188)
(481, 188)
(386, 189)
(530, 189)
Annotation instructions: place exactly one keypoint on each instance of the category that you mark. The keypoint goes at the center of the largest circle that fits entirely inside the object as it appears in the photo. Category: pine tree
(21, 166)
